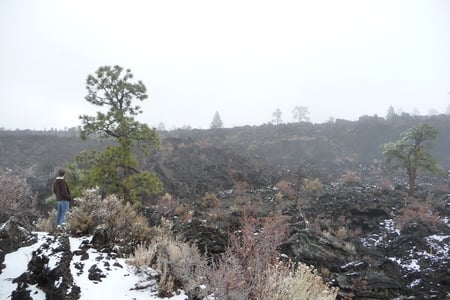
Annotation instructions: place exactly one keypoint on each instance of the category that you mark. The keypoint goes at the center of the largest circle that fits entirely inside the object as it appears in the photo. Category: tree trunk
(412, 181)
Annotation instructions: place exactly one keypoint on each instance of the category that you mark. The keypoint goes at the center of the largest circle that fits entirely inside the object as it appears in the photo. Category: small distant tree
(301, 113)
(216, 122)
(390, 113)
(411, 152)
(115, 169)
(277, 116)
(161, 126)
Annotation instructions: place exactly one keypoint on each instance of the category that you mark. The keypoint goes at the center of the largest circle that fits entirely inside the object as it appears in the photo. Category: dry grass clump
(249, 269)
(313, 185)
(303, 283)
(286, 188)
(180, 264)
(47, 224)
(417, 213)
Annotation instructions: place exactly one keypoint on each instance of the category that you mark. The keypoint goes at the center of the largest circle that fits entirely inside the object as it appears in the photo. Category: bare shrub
(217, 214)
(286, 188)
(209, 200)
(180, 264)
(288, 283)
(350, 177)
(250, 268)
(241, 186)
(241, 272)
(313, 185)
(121, 221)
(16, 198)
(342, 233)
(386, 184)
(142, 256)
(166, 203)
(47, 224)
(441, 188)
(82, 217)
(279, 197)
(417, 213)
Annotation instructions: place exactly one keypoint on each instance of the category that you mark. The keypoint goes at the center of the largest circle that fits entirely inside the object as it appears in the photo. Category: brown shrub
(241, 186)
(47, 224)
(250, 268)
(121, 221)
(180, 264)
(286, 188)
(313, 185)
(209, 200)
(166, 203)
(386, 184)
(417, 213)
(342, 233)
(242, 270)
(350, 177)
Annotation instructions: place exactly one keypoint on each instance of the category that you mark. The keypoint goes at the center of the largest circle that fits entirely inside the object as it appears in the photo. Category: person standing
(63, 197)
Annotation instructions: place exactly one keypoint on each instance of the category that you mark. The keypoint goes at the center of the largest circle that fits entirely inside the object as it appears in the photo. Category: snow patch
(122, 281)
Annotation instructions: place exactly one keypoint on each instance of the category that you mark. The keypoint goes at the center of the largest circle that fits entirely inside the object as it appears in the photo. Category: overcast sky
(244, 59)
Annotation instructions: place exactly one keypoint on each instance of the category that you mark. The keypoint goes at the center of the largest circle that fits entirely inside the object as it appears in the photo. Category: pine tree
(115, 169)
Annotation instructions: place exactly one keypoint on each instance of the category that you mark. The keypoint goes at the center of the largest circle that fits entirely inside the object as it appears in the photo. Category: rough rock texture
(371, 260)
(13, 236)
(2, 259)
(209, 240)
(189, 169)
(49, 268)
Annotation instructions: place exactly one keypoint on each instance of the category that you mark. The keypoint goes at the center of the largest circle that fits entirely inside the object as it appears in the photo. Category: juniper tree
(301, 113)
(411, 152)
(115, 169)
(217, 121)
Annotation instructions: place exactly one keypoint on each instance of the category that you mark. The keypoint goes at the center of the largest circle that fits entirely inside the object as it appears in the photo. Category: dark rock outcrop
(57, 280)
(13, 236)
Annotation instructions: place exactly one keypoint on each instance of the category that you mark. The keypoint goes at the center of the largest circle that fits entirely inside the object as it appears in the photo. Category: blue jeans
(63, 207)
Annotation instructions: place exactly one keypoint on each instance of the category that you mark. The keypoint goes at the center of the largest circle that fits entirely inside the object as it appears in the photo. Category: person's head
(61, 172)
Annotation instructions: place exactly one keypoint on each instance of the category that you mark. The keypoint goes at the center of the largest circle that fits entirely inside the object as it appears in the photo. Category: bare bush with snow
(15, 197)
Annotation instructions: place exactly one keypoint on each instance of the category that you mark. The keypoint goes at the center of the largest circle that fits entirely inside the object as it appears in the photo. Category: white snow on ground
(438, 249)
(378, 239)
(16, 263)
(120, 283)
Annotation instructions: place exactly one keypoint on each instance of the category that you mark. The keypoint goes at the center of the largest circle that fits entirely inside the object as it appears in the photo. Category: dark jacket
(61, 189)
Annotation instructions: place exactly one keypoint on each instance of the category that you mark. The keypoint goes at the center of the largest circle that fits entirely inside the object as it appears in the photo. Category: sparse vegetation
(16, 199)
(325, 217)
(350, 177)
(180, 264)
(120, 220)
(250, 268)
(418, 213)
